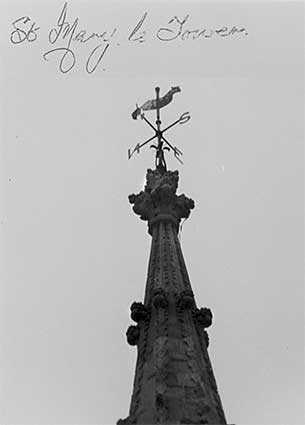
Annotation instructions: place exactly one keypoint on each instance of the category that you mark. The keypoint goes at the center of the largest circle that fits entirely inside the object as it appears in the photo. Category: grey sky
(74, 255)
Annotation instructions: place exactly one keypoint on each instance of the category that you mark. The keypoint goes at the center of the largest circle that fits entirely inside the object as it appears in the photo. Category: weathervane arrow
(157, 104)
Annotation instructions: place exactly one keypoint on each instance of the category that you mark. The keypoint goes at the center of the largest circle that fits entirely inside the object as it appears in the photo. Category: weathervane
(157, 104)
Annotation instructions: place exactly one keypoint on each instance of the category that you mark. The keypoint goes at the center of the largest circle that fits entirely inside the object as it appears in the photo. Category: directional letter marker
(157, 104)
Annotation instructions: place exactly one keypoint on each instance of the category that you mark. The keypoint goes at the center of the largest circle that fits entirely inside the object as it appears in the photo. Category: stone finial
(138, 311)
(204, 317)
(133, 335)
(159, 201)
(155, 179)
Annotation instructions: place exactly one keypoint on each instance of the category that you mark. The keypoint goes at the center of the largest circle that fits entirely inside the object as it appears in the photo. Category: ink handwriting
(176, 30)
(135, 35)
(22, 32)
(66, 38)
(63, 31)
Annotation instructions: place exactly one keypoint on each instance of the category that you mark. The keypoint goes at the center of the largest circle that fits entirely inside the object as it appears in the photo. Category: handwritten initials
(19, 35)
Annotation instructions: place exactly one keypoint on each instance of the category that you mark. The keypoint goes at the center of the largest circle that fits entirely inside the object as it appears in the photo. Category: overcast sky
(74, 255)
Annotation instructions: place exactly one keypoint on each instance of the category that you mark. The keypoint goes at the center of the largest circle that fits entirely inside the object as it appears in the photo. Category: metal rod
(176, 151)
(158, 122)
(149, 123)
(166, 141)
(172, 125)
(149, 140)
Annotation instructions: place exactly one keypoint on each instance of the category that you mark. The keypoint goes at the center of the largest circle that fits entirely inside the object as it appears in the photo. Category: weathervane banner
(152, 104)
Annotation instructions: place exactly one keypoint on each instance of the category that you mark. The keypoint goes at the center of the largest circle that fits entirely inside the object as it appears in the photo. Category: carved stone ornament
(192, 421)
(159, 201)
(126, 421)
(204, 317)
(206, 338)
(185, 300)
(123, 421)
(133, 335)
(138, 311)
(160, 298)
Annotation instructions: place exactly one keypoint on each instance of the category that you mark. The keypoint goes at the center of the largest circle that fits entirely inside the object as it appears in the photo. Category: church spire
(174, 381)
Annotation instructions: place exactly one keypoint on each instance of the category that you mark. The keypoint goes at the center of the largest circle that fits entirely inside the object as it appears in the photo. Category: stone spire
(174, 381)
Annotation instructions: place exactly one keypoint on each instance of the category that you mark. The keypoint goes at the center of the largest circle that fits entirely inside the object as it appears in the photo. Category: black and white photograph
(152, 212)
